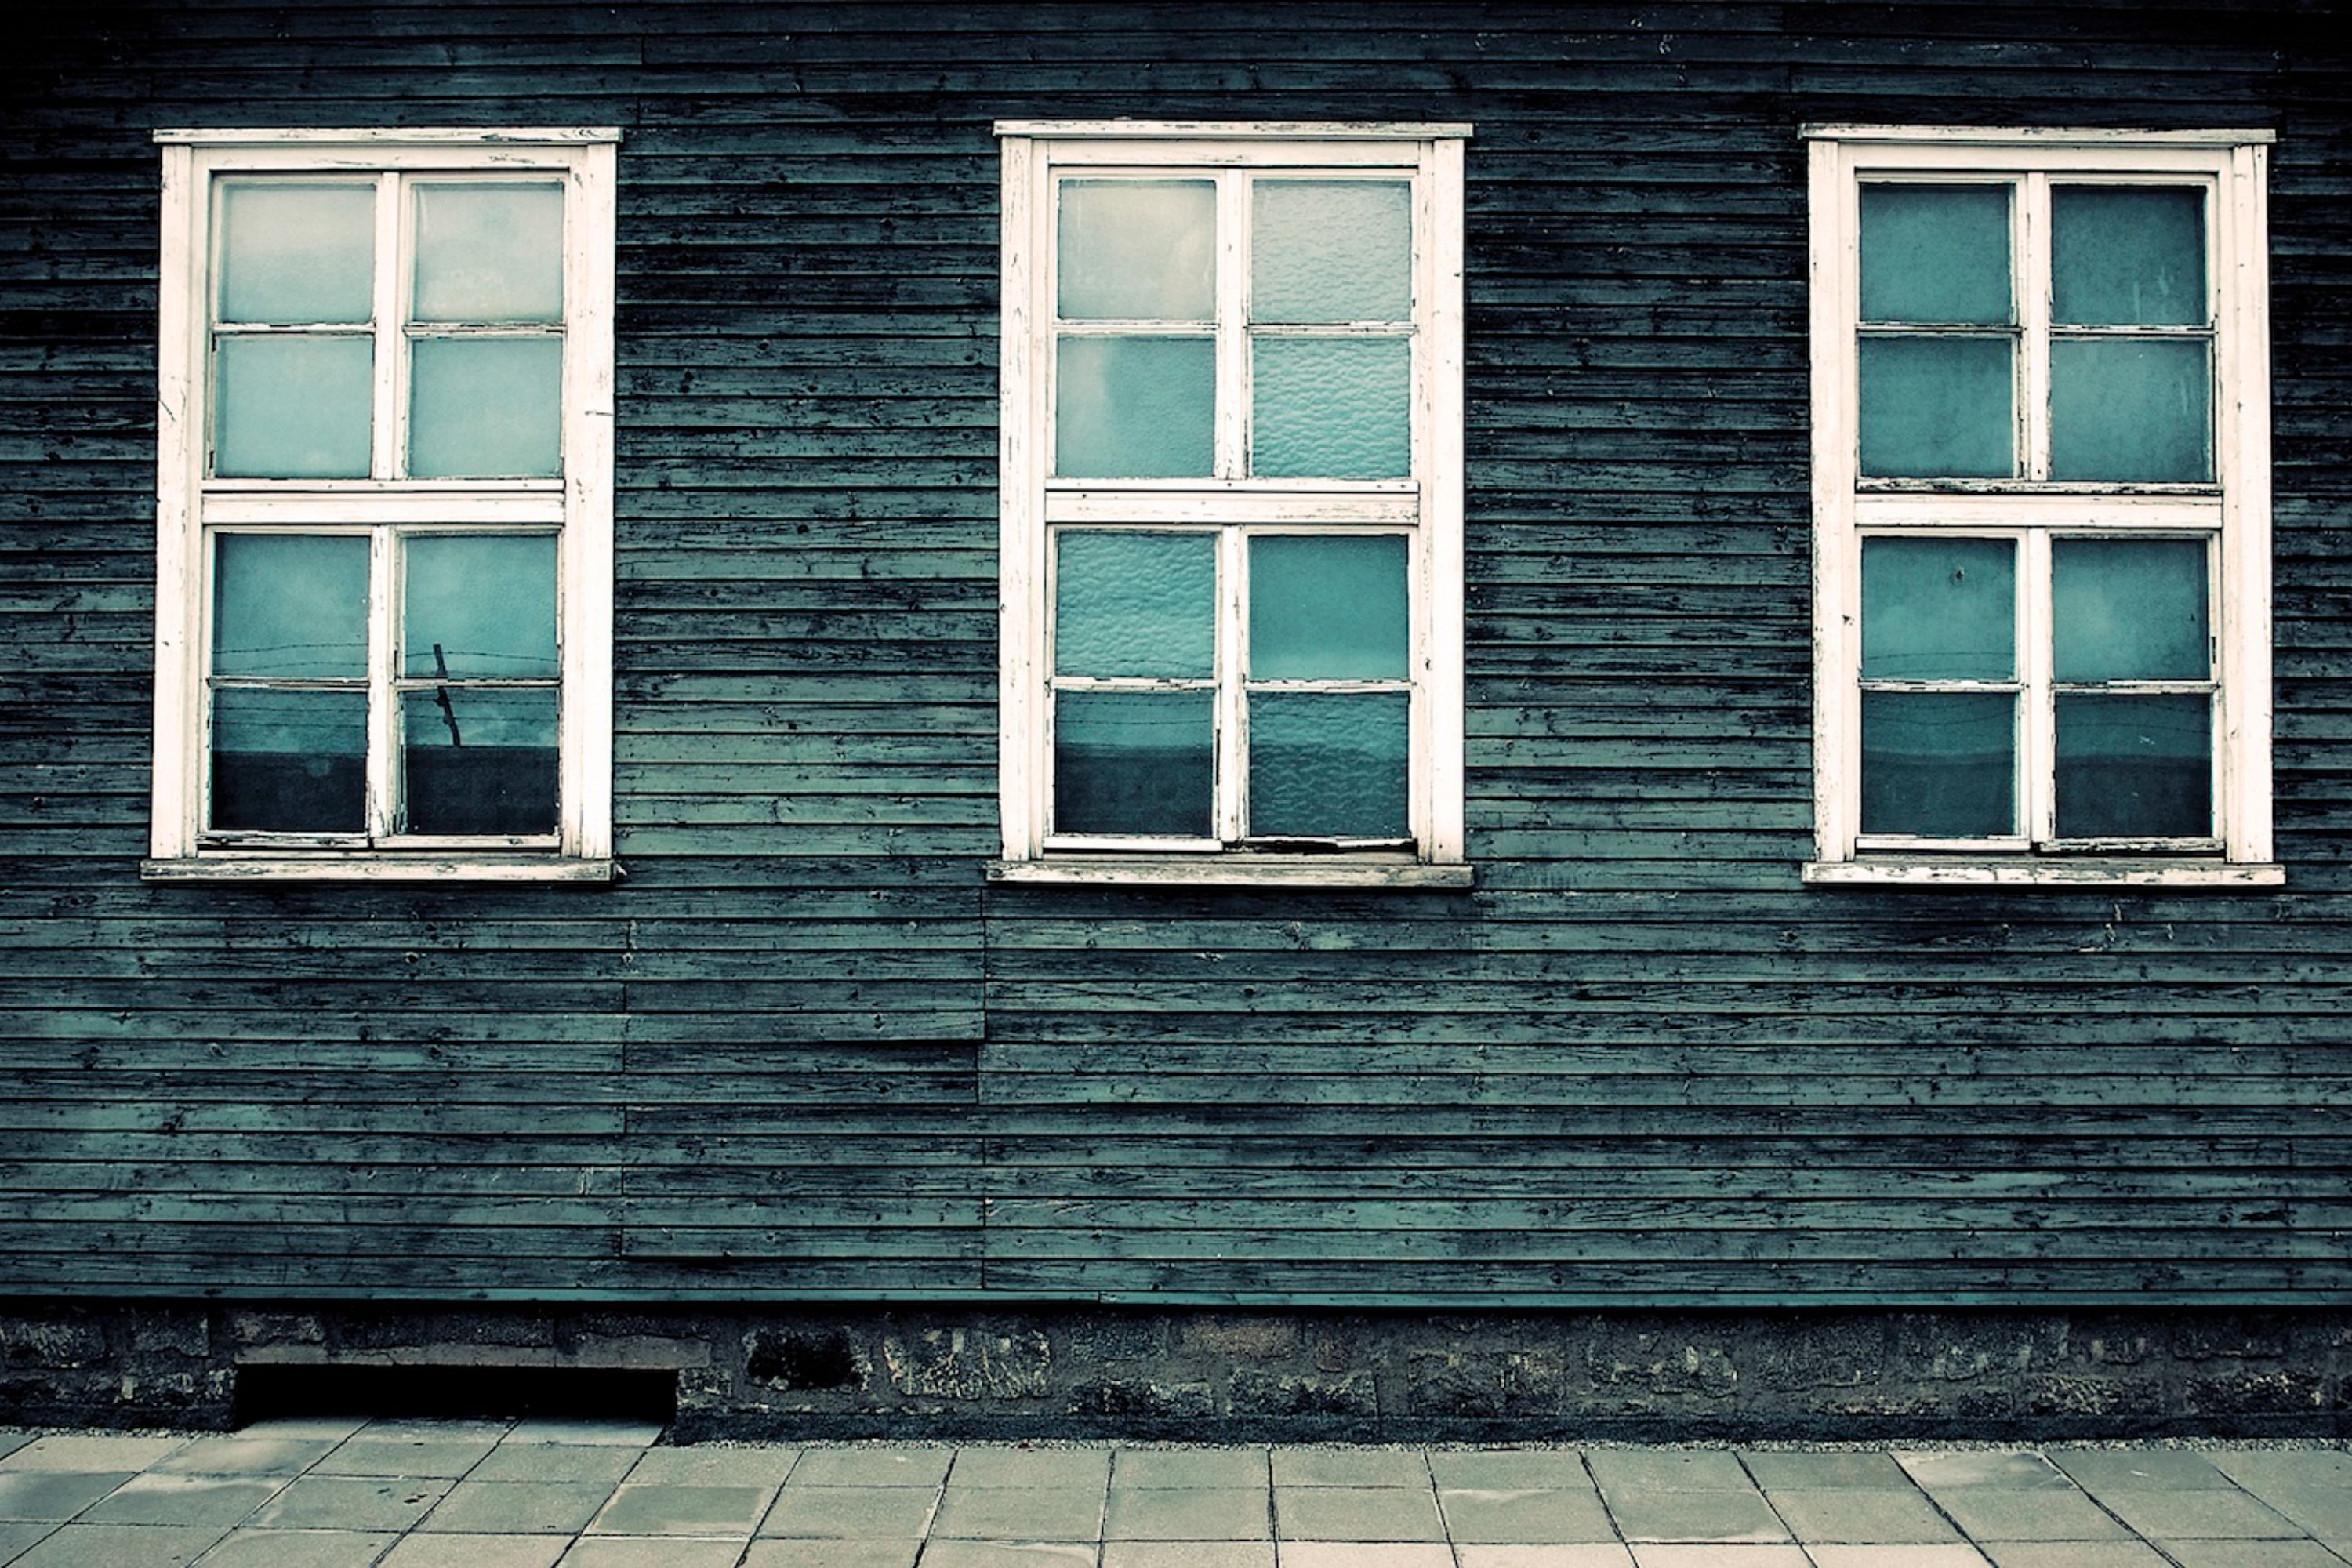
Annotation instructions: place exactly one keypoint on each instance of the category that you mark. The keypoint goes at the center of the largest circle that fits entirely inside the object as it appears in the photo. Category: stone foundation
(1091, 1372)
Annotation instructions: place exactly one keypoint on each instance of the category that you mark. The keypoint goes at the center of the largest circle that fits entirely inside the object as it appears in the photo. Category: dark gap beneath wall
(455, 1392)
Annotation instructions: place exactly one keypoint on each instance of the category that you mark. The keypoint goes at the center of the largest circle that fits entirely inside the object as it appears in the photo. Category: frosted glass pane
(1938, 408)
(1939, 609)
(296, 253)
(2128, 609)
(294, 408)
(480, 605)
(2134, 767)
(1135, 603)
(2128, 256)
(2123, 408)
(1134, 763)
(1939, 765)
(294, 607)
(289, 761)
(486, 408)
(479, 761)
(1330, 765)
(1935, 254)
(1331, 408)
(1136, 408)
(488, 253)
(1137, 250)
(1328, 608)
(1332, 250)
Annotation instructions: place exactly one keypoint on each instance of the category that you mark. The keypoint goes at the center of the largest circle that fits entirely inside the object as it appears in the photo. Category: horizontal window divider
(1331, 686)
(2004, 330)
(2206, 844)
(1237, 502)
(2115, 330)
(294, 328)
(2016, 503)
(2204, 687)
(1890, 683)
(1330, 328)
(533, 329)
(1888, 871)
(1145, 683)
(1109, 327)
(378, 865)
(474, 144)
(1102, 843)
(1237, 869)
(285, 683)
(477, 683)
(411, 508)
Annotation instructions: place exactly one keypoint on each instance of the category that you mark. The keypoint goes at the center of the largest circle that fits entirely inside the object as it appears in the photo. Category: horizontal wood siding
(804, 1050)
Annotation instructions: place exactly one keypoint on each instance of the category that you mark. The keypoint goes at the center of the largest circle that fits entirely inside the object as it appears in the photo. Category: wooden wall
(804, 1051)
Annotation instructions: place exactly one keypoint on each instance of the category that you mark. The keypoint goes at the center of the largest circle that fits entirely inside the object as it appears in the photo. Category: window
(2042, 507)
(384, 505)
(1231, 503)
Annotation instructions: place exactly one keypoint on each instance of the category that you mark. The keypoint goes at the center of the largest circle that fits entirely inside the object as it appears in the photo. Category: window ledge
(2109, 872)
(1232, 871)
(282, 867)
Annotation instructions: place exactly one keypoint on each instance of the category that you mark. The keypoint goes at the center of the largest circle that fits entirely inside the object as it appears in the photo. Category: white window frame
(192, 507)
(1427, 507)
(2232, 511)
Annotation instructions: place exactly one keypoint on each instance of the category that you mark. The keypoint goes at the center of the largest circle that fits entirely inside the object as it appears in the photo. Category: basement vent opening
(471, 1392)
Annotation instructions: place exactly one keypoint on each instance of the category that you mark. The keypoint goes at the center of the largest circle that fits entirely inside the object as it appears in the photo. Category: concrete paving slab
(1690, 1556)
(2255, 1469)
(121, 1546)
(1665, 1470)
(682, 1509)
(19, 1536)
(1189, 1513)
(519, 1508)
(714, 1467)
(11, 1440)
(2073, 1554)
(613, 1433)
(244, 1456)
(1949, 1554)
(2101, 1470)
(831, 1554)
(153, 1498)
(852, 1513)
(1509, 1469)
(370, 1455)
(1363, 1555)
(1530, 1517)
(2323, 1509)
(1078, 1468)
(1020, 1513)
(877, 1465)
(304, 1428)
(1724, 1517)
(513, 1461)
(2250, 1554)
(1190, 1467)
(298, 1549)
(2014, 1469)
(2198, 1516)
(350, 1502)
(1592, 1556)
(477, 1552)
(423, 1429)
(651, 1552)
(92, 1454)
(1996, 1513)
(1356, 1514)
(1388, 1467)
(1009, 1554)
(53, 1496)
(1188, 1554)
(1773, 1469)
(1857, 1518)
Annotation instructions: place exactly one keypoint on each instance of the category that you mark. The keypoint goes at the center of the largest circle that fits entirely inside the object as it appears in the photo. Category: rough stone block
(2253, 1338)
(181, 1332)
(2247, 1394)
(1261, 1394)
(1489, 1383)
(969, 1363)
(1094, 1339)
(1838, 1352)
(1659, 1361)
(1139, 1396)
(1257, 1339)
(254, 1330)
(55, 1343)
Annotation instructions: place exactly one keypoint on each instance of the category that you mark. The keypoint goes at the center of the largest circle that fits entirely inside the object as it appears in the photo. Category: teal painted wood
(803, 1052)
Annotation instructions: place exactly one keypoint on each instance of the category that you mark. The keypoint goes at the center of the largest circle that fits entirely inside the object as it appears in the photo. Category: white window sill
(1232, 871)
(257, 866)
(2112, 872)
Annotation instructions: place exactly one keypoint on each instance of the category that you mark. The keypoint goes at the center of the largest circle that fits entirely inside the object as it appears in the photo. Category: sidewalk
(472, 1494)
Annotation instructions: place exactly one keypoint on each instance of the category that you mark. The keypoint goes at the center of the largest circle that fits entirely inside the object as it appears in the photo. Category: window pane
(1134, 763)
(480, 605)
(2128, 256)
(1135, 408)
(1332, 408)
(1135, 603)
(1938, 408)
(479, 759)
(293, 408)
(2134, 767)
(2128, 609)
(1939, 609)
(2126, 408)
(1328, 608)
(1137, 250)
(488, 253)
(1332, 250)
(486, 408)
(294, 607)
(1330, 765)
(289, 761)
(294, 253)
(1939, 765)
(1936, 254)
